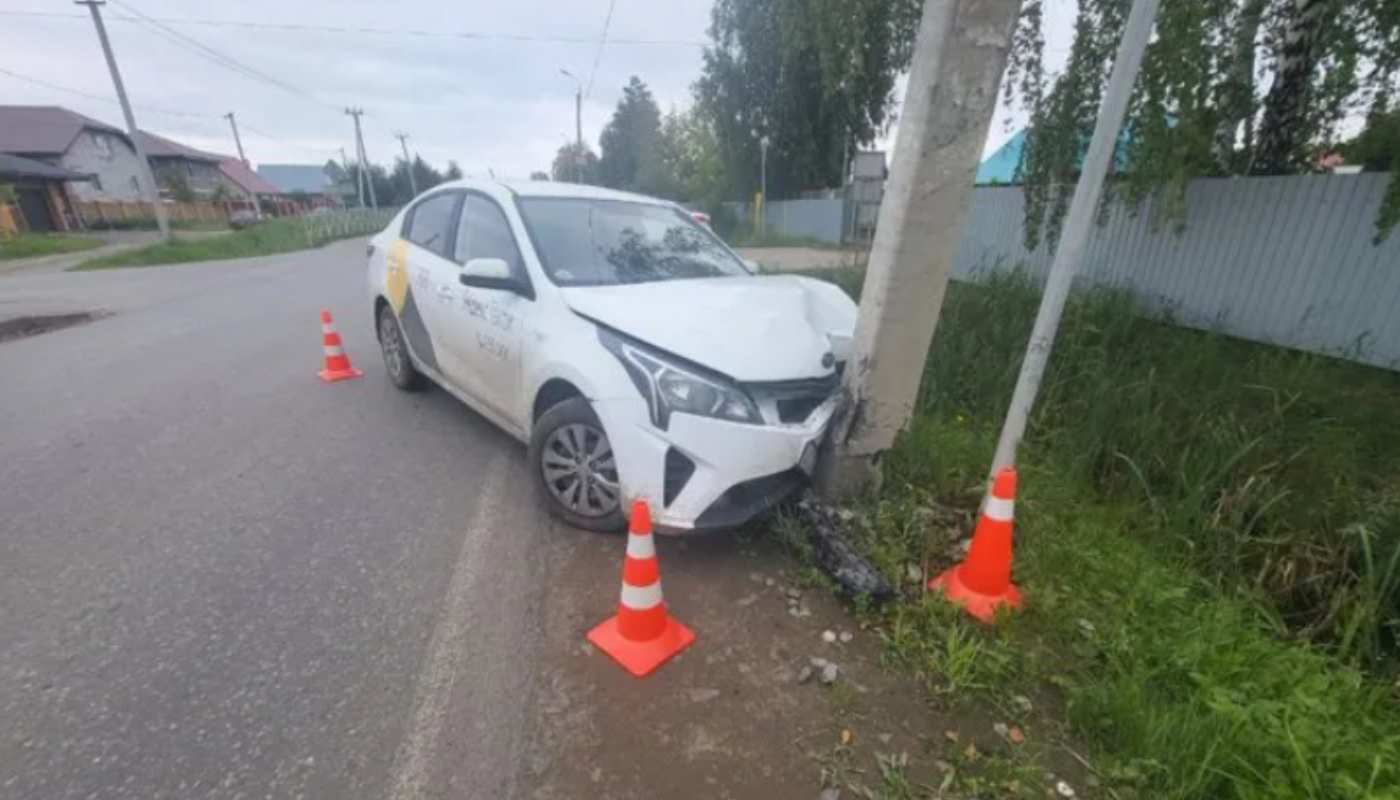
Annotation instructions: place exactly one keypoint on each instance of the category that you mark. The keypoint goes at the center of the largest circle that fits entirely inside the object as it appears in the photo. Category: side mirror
(488, 273)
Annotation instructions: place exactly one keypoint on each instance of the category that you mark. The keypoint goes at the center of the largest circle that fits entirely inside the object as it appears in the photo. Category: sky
(475, 81)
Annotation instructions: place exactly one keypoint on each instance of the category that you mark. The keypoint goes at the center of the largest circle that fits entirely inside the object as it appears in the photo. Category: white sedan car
(635, 353)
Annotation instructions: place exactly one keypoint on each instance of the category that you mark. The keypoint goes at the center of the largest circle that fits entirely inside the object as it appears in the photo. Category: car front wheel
(575, 469)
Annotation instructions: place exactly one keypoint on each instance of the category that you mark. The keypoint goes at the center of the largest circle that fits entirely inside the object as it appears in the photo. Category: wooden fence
(102, 213)
(9, 221)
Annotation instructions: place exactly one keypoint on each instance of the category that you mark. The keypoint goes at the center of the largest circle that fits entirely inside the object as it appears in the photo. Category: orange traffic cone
(982, 582)
(642, 636)
(337, 363)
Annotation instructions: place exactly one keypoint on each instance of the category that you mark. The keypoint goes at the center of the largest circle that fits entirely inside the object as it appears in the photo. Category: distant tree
(629, 141)
(815, 76)
(334, 170)
(1227, 87)
(689, 158)
(423, 174)
(173, 180)
(539, 175)
(1377, 149)
(453, 173)
(566, 168)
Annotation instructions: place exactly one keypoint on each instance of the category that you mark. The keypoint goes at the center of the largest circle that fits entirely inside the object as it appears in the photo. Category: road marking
(447, 650)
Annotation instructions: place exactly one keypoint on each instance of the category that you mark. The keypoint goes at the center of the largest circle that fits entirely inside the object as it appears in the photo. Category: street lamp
(578, 126)
(762, 183)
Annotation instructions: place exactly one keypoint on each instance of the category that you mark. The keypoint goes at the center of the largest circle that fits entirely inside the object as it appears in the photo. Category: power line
(149, 110)
(80, 93)
(373, 31)
(222, 59)
(598, 54)
(279, 140)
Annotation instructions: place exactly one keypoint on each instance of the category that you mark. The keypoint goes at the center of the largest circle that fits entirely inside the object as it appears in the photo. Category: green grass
(31, 245)
(1207, 532)
(265, 238)
(149, 224)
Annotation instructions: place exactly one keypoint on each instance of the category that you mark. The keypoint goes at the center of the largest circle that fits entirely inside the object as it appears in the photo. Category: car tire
(568, 442)
(397, 362)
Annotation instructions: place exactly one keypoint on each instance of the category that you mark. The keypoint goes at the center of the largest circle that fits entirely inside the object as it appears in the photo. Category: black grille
(797, 409)
(796, 400)
(744, 501)
(679, 468)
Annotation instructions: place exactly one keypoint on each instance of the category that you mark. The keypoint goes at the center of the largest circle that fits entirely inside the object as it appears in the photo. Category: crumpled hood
(751, 328)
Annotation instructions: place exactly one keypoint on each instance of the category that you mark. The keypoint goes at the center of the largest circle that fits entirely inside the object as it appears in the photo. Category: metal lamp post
(578, 126)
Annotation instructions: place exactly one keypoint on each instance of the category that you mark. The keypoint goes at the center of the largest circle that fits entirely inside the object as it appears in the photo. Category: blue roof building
(308, 178)
(1000, 166)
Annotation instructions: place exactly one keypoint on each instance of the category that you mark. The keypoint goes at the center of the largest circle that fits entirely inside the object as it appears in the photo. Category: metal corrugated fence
(1283, 260)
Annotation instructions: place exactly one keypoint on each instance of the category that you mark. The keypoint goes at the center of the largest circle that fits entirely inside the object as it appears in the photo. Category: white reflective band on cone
(999, 508)
(326, 327)
(640, 546)
(334, 350)
(640, 598)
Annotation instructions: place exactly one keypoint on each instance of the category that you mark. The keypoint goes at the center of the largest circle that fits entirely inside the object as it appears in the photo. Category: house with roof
(301, 179)
(1001, 167)
(81, 145)
(40, 194)
(182, 172)
(245, 183)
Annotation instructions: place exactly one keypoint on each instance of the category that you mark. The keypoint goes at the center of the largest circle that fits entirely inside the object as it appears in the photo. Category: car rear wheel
(575, 469)
(396, 359)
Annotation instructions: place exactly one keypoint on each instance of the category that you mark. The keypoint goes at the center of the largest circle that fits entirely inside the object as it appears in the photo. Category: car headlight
(670, 387)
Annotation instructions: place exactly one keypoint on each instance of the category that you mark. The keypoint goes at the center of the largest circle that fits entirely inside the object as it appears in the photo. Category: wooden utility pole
(952, 94)
(412, 181)
(147, 178)
(1070, 251)
(237, 142)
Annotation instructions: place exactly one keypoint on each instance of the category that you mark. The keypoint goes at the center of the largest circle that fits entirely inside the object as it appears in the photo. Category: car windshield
(585, 242)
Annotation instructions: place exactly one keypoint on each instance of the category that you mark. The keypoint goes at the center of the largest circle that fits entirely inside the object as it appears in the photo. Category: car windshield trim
(724, 261)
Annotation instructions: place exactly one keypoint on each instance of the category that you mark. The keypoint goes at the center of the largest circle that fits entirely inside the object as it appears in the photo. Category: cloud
(496, 104)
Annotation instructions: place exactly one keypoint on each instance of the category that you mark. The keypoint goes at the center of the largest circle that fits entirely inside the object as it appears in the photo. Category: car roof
(550, 189)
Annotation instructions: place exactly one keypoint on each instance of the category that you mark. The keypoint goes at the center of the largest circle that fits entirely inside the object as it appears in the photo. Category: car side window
(430, 223)
(485, 233)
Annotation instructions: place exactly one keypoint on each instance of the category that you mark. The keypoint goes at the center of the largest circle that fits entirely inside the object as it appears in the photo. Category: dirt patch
(795, 259)
(21, 327)
(744, 713)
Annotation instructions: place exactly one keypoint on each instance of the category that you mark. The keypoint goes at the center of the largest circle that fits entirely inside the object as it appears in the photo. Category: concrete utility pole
(958, 61)
(148, 178)
(1070, 252)
(237, 142)
(412, 181)
(365, 178)
(578, 126)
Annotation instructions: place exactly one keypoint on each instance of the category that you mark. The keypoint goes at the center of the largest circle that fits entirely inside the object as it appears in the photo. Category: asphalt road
(220, 577)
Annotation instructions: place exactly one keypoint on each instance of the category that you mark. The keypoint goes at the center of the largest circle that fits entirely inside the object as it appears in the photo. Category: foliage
(567, 169)
(453, 172)
(423, 174)
(1377, 148)
(689, 158)
(1208, 532)
(31, 245)
(815, 76)
(265, 238)
(172, 179)
(630, 142)
(1198, 107)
